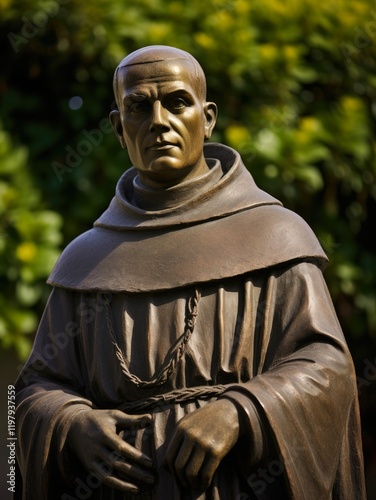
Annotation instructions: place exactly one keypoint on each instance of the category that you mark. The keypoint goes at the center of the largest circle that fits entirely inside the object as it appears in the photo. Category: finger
(181, 461)
(132, 471)
(172, 452)
(205, 475)
(104, 473)
(192, 469)
(97, 454)
(131, 421)
(127, 451)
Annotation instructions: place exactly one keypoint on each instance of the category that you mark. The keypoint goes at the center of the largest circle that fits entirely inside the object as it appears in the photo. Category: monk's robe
(177, 297)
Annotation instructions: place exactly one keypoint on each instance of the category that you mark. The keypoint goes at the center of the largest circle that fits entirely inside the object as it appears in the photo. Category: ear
(211, 112)
(117, 126)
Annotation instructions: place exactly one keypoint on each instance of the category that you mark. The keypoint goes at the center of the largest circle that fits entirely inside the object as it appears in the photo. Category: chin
(161, 166)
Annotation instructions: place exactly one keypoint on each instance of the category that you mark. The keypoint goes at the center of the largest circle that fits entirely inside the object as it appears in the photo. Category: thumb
(124, 420)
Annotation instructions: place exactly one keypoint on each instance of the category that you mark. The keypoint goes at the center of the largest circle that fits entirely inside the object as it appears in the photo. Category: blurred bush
(29, 245)
(295, 84)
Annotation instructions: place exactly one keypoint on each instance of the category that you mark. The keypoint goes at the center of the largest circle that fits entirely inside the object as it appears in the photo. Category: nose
(159, 119)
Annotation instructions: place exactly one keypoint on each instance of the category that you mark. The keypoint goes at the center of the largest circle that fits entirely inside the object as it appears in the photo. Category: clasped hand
(200, 442)
(94, 438)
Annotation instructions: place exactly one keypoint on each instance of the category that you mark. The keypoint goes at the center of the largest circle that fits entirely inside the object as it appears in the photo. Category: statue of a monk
(189, 348)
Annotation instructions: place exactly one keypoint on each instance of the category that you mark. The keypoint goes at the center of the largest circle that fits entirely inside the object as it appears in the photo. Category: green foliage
(295, 86)
(29, 242)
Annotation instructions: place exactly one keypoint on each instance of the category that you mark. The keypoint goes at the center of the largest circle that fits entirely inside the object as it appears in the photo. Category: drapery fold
(302, 387)
(265, 329)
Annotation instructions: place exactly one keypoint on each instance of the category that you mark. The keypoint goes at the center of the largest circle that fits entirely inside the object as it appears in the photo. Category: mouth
(162, 146)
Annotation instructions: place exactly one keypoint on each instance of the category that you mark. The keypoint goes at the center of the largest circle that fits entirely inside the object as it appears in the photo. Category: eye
(176, 104)
(139, 107)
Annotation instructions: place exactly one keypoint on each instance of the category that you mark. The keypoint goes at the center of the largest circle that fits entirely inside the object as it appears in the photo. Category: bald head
(163, 117)
(159, 54)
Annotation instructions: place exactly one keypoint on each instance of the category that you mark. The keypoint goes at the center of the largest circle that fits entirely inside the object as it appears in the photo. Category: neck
(155, 199)
(176, 177)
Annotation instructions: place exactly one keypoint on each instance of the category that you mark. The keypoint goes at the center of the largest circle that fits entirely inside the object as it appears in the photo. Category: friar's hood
(203, 230)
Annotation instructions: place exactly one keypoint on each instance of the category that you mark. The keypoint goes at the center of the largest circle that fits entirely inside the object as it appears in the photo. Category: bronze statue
(189, 348)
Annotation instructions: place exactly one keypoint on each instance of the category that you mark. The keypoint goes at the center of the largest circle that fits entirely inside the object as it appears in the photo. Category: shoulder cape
(230, 230)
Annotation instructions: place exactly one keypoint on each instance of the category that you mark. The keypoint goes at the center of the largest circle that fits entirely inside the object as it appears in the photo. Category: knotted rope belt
(184, 395)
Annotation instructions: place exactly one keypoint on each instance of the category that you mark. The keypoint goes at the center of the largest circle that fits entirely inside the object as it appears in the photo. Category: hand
(200, 442)
(93, 438)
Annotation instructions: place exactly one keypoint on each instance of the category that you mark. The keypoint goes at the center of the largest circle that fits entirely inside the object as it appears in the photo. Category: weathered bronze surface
(189, 348)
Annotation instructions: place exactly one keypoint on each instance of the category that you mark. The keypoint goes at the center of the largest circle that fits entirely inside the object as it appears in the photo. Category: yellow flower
(291, 52)
(26, 251)
(204, 40)
(159, 31)
(5, 3)
(237, 136)
(268, 51)
(310, 124)
(351, 104)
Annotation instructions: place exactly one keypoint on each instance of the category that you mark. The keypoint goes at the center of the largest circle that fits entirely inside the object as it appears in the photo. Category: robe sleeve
(304, 395)
(49, 392)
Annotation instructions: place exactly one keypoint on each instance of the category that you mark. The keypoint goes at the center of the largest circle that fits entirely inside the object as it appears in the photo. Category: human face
(162, 121)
